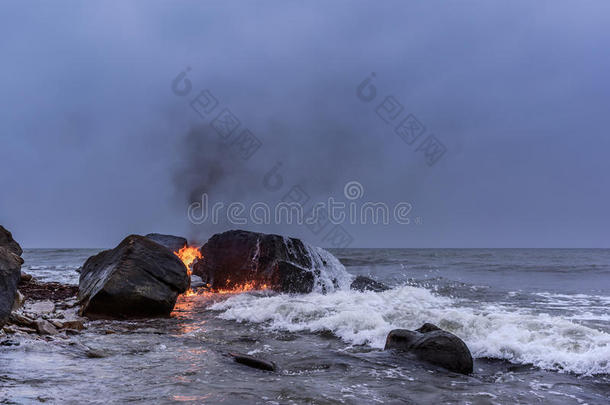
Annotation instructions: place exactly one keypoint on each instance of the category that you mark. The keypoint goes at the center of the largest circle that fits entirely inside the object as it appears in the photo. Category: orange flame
(188, 255)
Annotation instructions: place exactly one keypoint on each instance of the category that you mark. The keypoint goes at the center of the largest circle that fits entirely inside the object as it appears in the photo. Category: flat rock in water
(173, 243)
(44, 327)
(40, 307)
(236, 258)
(434, 345)
(138, 278)
(253, 362)
(10, 273)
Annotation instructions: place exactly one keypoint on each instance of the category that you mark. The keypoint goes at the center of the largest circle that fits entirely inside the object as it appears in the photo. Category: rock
(69, 319)
(362, 283)
(9, 342)
(40, 307)
(10, 271)
(45, 327)
(56, 323)
(25, 277)
(6, 241)
(19, 300)
(173, 243)
(196, 282)
(253, 362)
(19, 319)
(236, 258)
(434, 345)
(138, 278)
(74, 324)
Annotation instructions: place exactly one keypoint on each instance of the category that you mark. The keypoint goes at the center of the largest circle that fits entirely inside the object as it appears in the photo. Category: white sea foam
(519, 336)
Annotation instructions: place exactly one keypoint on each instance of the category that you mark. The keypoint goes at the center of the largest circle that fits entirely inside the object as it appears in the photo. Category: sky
(100, 136)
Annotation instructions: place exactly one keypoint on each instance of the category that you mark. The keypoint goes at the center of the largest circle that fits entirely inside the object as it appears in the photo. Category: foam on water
(516, 335)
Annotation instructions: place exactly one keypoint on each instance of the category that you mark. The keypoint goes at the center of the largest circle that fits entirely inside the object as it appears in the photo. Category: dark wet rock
(25, 277)
(362, 283)
(9, 342)
(434, 345)
(234, 258)
(7, 241)
(173, 243)
(10, 272)
(253, 362)
(138, 278)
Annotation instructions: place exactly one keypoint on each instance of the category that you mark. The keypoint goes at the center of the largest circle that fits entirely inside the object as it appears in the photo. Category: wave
(519, 336)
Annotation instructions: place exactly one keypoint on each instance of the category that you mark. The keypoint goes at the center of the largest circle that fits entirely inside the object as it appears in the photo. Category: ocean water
(536, 320)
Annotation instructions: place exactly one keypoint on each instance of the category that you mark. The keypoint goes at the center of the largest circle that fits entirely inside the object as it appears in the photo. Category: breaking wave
(495, 331)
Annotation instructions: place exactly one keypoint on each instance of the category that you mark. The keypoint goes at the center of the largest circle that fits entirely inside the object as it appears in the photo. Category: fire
(249, 286)
(188, 255)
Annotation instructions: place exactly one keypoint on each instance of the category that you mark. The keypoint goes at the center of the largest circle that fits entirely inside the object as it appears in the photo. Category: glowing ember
(188, 255)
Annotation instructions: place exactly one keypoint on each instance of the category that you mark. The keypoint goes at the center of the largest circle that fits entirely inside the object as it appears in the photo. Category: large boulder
(138, 278)
(235, 259)
(10, 273)
(173, 243)
(7, 241)
(434, 345)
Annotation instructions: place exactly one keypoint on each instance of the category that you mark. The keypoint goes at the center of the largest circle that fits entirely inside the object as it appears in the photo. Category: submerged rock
(434, 345)
(7, 241)
(173, 243)
(138, 278)
(238, 258)
(10, 273)
(253, 362)
(362, 283)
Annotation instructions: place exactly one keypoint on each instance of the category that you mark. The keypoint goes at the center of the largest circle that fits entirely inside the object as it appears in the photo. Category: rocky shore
(142, 277)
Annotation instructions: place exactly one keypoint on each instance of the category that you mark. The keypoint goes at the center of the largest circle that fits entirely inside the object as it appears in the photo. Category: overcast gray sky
(95, 145)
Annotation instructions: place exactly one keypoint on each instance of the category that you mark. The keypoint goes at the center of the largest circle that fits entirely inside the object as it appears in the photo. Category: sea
(537, 322)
